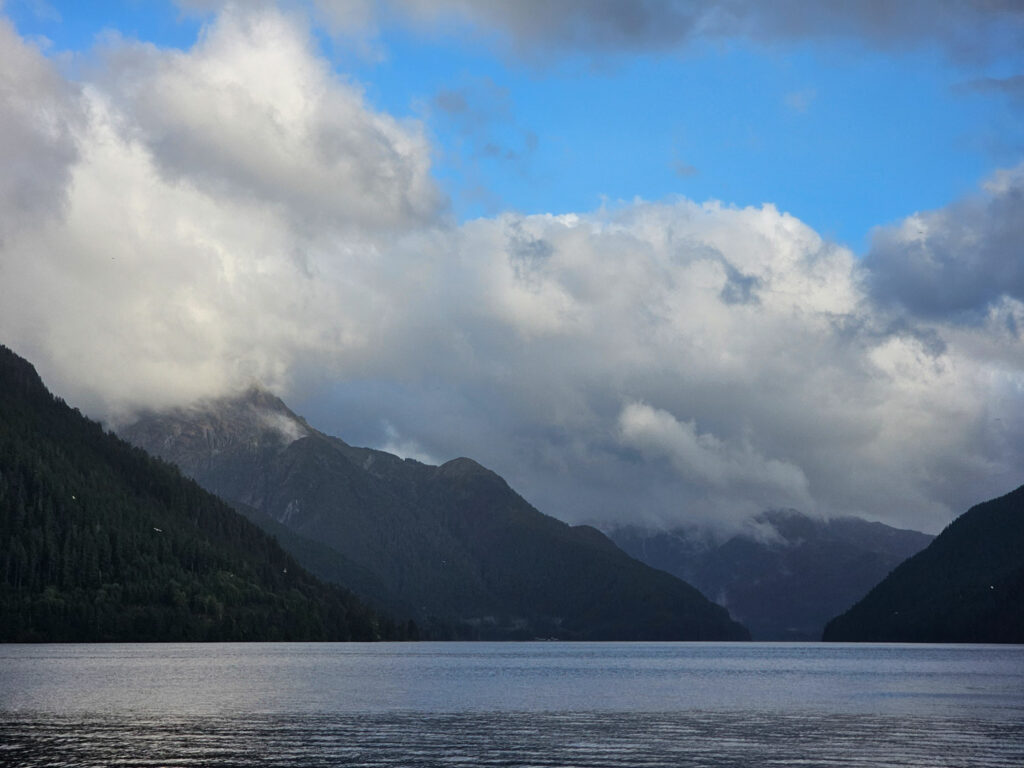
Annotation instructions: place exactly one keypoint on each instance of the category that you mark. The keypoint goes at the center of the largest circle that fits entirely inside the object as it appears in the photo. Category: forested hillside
(967, 586)
(452, 546)
(101, 542)
(784, 576)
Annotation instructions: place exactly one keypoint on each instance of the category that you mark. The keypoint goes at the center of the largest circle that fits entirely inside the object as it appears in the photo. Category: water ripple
(537, 740)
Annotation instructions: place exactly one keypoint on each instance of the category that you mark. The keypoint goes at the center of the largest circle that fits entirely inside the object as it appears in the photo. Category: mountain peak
(463, 470)
(967, 586)
(252, 410)
(453, 543)
(259, 396)
(462, 467)
(18, 372)
(184, 566)
(253, 421)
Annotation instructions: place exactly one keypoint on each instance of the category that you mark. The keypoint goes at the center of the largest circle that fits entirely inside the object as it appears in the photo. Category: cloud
(404, 447)
(215, 215)
(252, 110)
(675, 361)
(236, 212)
(974, 30)
(39, 115)
(452, 102)
(478, 106)
(704, 458)
(683, 170)
(42, 10)
(487, 138)
(956, 262)
(1010, 86)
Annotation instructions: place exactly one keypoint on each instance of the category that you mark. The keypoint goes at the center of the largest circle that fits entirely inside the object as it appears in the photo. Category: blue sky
(837, 132)
(658, 261)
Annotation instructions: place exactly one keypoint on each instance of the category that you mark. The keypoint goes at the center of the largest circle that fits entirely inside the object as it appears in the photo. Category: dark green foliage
(967, 586)
(453, 546)
(574, 578)
(101, 542)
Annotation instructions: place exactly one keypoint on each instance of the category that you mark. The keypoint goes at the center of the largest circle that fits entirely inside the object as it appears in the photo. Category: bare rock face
(213, 440)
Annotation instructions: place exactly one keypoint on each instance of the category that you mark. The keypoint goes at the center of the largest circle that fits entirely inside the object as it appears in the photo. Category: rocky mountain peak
(453, 543)
(253, 421)
(256, 396)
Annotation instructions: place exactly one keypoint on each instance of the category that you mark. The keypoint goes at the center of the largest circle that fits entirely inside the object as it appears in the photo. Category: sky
(653, 262)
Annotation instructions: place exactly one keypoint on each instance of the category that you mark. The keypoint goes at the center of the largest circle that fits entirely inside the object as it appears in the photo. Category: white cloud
(767, 374)
(217, 215)
(703, 458)
(405, 447)
(251, 110)
(238, 212)
(956, 261)
(39, 115)
(287, 427)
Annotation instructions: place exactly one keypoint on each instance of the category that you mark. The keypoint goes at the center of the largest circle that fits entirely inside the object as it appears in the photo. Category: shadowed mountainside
(967, 586)
(101, 542)
(785, 576)
(452, 545)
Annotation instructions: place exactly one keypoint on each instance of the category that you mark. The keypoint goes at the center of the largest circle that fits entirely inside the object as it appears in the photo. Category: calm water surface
(521, 704)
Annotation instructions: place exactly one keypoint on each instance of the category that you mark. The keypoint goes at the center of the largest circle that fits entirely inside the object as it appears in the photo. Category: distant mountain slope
(788, 575)
(447, 543)
(967, 586)
(99, 541)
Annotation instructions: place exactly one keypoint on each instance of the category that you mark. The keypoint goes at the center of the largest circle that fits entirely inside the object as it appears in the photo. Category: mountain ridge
(451, 543)
(967, 586)
(784, 576)
(101, 542)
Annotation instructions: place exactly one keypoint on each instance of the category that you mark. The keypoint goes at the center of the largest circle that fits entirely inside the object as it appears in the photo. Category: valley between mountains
(453, 546)
(101, 541)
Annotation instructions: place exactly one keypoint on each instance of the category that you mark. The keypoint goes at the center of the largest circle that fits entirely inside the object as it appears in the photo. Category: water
(516, 704)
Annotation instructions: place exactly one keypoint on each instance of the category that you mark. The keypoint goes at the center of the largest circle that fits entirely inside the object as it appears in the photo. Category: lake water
(512, 704)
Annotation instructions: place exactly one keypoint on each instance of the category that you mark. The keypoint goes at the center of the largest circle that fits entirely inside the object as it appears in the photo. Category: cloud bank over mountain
(959, 262)
(213, 215)
(179, 224)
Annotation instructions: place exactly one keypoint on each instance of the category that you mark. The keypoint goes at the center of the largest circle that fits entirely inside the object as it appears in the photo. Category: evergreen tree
(101, 542)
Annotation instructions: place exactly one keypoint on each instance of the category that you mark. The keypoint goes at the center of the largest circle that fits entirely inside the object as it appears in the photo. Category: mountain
(101, 542)
(451, 546)
(967, 586)
(787, 574)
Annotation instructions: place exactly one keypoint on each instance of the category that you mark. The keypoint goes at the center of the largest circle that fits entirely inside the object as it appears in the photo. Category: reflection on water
(519, 704)
(638, 740)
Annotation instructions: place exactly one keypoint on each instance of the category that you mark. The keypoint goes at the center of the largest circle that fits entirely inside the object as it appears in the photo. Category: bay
(511, 704)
